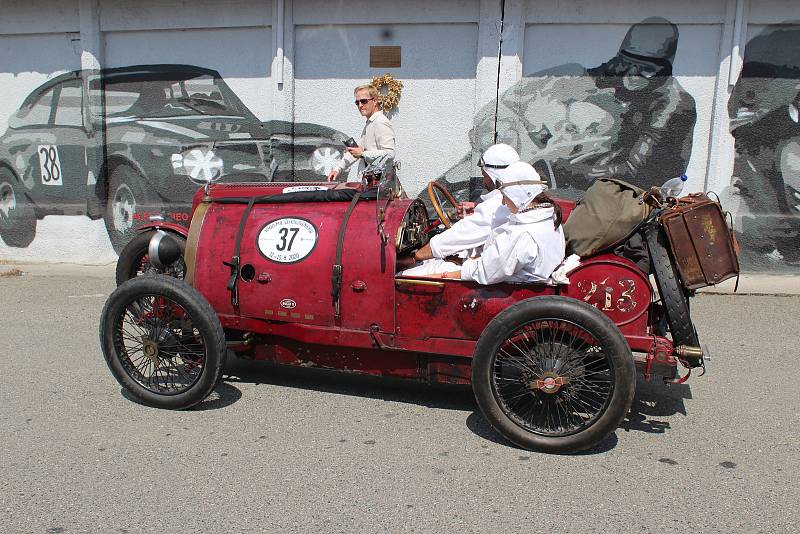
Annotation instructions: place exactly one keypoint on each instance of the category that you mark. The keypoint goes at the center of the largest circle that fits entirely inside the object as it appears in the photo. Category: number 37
(284, 233)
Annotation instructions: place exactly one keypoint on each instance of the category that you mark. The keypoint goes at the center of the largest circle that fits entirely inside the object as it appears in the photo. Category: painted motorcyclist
(654, 139)
(628, 118)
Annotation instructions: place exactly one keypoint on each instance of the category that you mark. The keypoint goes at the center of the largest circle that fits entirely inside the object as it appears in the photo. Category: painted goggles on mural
(200, 164)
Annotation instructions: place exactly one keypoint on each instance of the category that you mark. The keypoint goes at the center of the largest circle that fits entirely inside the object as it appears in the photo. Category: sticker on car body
(287, 240)
(49, 165)
(298, 188)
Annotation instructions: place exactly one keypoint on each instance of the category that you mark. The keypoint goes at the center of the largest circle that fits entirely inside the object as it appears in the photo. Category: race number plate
(49, 165)
(287, 240)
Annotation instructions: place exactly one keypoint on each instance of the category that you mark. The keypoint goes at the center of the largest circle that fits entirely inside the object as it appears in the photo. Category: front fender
(166, 226)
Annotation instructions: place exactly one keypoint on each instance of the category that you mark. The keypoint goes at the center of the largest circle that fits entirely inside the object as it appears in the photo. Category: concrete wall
(564, 90)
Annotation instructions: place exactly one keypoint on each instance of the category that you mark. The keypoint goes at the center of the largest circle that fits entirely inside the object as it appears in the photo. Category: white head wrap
(521, 194)
(496, 159)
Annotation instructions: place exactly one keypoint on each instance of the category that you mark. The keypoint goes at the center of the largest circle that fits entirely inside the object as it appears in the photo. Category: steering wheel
(447, 218)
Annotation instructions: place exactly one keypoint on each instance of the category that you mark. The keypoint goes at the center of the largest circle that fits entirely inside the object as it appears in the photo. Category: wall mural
(765, 123)
(132, 144)
(124, 143)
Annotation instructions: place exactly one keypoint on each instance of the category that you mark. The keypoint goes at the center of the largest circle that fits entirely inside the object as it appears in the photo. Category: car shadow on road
(653, 405)
(442, 396)
(480, 427)
(223, 395)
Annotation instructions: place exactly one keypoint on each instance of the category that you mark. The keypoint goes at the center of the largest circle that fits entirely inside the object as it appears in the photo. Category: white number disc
(287, 240)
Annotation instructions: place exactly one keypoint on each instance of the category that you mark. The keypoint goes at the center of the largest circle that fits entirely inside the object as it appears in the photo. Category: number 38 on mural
(310, 275)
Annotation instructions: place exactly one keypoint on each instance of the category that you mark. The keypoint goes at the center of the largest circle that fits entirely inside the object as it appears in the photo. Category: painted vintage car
(124, 143)
(311, 276)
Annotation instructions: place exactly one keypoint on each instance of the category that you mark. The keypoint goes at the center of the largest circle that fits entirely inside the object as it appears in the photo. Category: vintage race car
(128, 147)
(309, 275)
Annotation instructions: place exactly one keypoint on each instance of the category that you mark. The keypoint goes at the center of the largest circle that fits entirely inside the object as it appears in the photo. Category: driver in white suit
(526, 246)
(472, 231)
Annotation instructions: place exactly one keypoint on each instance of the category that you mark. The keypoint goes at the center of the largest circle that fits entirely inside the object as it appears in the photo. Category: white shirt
(525, 249)
(377, 139)
(472, 231)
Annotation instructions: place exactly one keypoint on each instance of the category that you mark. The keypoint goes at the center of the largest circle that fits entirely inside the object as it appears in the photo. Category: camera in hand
(350, 143)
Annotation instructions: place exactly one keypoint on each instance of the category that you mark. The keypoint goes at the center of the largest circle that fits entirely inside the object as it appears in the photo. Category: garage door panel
(117, 15)
(242, 56)
(27, 61)
(438, 97)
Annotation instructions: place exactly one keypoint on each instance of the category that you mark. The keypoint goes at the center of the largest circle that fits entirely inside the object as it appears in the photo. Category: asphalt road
(290, 450)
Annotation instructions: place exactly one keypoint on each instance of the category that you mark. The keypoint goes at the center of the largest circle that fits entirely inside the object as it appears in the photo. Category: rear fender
(616, 287)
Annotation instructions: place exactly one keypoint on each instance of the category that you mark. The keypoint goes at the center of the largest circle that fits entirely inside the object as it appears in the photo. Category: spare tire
(674, 297)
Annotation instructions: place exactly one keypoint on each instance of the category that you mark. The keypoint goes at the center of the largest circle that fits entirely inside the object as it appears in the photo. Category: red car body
(388, 324)
(310, 275)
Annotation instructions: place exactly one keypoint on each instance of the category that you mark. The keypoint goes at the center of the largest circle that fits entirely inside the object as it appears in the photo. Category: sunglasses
(482, 163)
(362, 101)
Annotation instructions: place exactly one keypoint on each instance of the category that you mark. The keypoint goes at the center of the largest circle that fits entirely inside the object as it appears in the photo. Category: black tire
(17, 216)
(673, 296)
(523, 353)
(162, 341)
(133, 260)
(129, 199)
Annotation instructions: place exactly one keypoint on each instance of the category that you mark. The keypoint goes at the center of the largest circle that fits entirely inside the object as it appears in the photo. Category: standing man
(377, 138)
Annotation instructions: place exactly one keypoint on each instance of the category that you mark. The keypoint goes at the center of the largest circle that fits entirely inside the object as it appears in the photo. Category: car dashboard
(413, 232)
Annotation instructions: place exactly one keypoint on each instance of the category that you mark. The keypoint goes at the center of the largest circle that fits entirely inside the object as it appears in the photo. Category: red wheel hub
(549, 383)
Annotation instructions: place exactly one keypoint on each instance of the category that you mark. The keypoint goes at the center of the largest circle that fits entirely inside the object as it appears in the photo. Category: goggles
(501, 185)
(482, 163)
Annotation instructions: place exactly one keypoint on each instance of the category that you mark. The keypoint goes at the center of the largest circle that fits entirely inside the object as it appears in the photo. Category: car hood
(195, 128)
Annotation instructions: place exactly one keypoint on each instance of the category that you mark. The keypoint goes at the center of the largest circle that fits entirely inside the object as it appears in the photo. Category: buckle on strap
(336, 287)
(233, 280)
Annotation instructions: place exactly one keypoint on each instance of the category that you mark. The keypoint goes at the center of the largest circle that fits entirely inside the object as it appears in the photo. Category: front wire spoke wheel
(146, 329)
(134, 259)
(162, 341)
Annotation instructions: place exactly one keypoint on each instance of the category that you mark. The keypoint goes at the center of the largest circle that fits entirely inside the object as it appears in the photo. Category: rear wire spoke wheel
(162, 341)
(553, 374)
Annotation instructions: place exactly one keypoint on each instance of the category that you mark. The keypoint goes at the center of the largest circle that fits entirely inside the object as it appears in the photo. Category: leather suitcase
(705, 249)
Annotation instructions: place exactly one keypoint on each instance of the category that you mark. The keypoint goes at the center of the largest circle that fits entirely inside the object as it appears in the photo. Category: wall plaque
(384, 57)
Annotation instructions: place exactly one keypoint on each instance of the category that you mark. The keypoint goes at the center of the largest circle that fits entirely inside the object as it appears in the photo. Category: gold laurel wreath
(393, 87)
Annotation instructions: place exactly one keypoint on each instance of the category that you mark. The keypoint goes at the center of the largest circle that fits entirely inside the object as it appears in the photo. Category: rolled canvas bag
(610, 211)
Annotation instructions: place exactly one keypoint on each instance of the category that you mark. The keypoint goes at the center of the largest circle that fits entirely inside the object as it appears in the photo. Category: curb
(757, 284)
(58, 270)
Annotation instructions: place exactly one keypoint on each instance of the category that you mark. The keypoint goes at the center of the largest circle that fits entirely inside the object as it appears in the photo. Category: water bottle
(673, 186)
